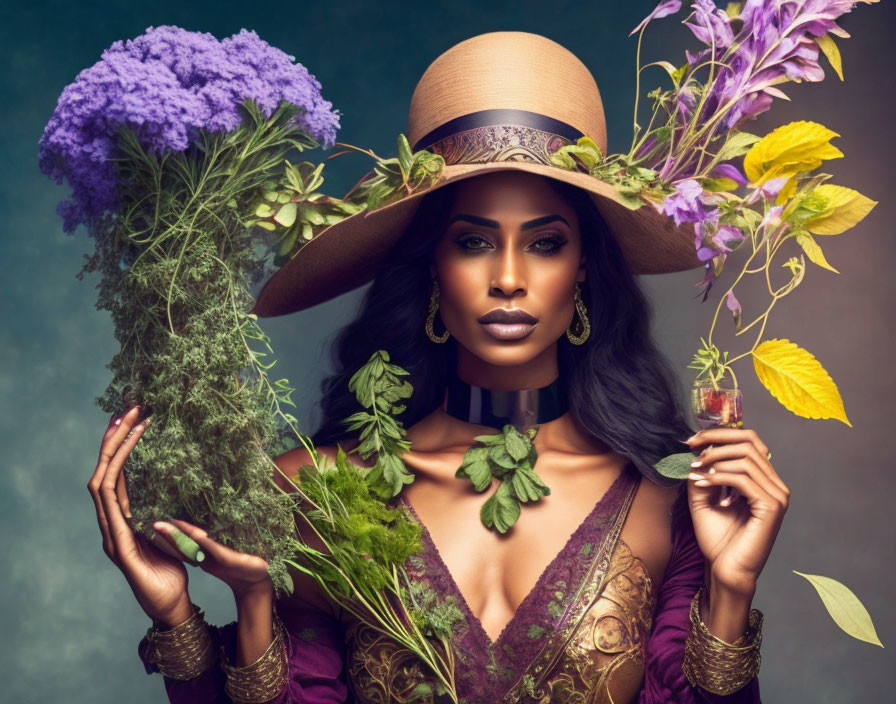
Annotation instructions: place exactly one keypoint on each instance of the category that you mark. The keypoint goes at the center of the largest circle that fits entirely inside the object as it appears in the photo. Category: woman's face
(507, 266)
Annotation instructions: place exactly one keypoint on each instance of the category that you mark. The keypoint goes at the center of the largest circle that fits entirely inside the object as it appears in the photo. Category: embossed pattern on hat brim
(348, 254)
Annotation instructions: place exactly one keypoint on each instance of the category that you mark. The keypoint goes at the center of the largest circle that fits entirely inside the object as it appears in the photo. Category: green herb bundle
(176, 268)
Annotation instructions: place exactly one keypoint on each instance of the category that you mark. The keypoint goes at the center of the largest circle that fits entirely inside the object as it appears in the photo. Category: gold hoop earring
(578, 338)
(431, 316)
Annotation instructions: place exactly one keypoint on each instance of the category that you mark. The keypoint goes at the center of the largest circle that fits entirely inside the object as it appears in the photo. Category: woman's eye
(473, 243)
(548, 245)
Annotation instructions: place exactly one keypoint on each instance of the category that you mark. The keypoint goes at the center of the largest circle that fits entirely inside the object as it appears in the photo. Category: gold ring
(768, 456)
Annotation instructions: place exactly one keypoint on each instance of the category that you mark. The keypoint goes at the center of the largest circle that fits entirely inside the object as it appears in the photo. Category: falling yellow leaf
(830, 50)
(844, 607)
(794, 377)
(790, 149)
(813, 251)
(845, 208)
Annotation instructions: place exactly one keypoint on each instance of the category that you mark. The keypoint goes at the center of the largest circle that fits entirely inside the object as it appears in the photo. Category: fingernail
(118, 421)
(692, 438)
(696, 463)
(695, 475)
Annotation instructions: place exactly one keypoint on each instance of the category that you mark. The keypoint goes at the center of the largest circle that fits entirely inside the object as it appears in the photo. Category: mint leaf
(527, 486)
(478, 472)
(516, 444)
(500, 510)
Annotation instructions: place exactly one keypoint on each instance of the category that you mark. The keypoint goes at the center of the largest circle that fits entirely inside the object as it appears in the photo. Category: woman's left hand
(242, 572)
(735, 538)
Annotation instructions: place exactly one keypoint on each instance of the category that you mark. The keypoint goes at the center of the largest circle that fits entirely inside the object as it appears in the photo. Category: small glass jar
(716, 408)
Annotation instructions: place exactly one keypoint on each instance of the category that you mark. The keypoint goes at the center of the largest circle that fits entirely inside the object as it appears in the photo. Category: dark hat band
(499, 135)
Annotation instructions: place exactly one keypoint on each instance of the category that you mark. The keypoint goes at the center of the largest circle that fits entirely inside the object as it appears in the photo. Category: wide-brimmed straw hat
(500, 100)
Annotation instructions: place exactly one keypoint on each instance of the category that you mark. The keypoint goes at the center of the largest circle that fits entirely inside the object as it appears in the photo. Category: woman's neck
(521, 408)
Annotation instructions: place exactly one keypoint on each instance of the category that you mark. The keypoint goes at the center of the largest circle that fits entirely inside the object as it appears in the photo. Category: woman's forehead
(515, 192)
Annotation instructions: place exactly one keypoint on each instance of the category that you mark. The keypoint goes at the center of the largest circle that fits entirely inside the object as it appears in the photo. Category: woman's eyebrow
(486, 222)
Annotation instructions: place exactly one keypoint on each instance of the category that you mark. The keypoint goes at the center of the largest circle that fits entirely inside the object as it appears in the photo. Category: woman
(509, 298)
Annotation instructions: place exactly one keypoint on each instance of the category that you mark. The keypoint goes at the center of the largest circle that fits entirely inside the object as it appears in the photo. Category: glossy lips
(503, 324)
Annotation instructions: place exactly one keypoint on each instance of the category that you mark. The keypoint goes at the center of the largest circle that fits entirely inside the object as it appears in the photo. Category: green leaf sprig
(397, 177)
(379, 387)
(362, 568)
(508, 456)
(295, 209)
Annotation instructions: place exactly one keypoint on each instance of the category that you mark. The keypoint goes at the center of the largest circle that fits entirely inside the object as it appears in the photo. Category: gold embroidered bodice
(566, 644)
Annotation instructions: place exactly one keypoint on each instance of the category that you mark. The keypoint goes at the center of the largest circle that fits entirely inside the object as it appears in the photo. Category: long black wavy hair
(621, 388)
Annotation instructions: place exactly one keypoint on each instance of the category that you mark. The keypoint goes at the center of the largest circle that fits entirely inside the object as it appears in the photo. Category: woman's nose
(508, 277)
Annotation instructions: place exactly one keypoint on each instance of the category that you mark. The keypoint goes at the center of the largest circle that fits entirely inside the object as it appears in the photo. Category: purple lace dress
(569, 641)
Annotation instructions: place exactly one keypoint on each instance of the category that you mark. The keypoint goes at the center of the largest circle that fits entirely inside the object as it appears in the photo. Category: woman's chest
(495, 573)
(579, 631)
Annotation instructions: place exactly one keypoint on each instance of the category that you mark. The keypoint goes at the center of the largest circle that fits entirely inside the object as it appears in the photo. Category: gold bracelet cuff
(715, 665)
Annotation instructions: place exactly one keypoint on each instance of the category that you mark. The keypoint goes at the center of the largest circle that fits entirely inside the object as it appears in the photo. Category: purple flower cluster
(776, 41)
(690, 203)
(167, 85)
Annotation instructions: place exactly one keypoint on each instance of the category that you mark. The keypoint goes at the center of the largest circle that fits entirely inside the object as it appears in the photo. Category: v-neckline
(476, 624)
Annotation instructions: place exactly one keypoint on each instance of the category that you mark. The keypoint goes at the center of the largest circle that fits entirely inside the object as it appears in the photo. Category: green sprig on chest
(379, 387)
(508, 456)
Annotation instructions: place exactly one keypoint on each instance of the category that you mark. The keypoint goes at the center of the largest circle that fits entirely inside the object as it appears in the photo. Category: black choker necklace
(521, 409)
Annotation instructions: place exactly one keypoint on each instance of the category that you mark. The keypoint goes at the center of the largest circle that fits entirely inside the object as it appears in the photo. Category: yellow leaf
(845, 209)
(790, 149)
(827, 45)
(719, 184)
(732, 9)
(794, 377)
(787, 191)
(844, 607)
(813, 251)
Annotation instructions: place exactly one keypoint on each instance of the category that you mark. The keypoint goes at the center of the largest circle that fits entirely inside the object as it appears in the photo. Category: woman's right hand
(158, 580)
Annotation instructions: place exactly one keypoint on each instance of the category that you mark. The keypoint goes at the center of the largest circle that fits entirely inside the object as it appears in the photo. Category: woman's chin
(508, 353)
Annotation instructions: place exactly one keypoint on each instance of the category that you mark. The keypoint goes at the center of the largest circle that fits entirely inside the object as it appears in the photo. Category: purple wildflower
(718, 241)
(686, 101)
(710, 24)
(776, 43)
(729, 171)
(688, 203)
(772, 218)
(712, 239)
(166, 85)
(664, 9)
(711, 273)
(734, 306)
(767, 190)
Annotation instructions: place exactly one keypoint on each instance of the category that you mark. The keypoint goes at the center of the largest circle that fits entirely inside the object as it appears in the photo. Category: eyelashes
(546, 245)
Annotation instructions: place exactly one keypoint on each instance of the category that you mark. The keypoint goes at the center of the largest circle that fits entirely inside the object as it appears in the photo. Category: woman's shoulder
(290, 462)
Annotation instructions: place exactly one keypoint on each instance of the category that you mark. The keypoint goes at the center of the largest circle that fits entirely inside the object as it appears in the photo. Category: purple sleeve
(664, 679)
(315, 648)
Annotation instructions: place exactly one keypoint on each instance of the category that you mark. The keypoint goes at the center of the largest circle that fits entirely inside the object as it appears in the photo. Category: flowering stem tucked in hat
(751, 48)
(684, 166)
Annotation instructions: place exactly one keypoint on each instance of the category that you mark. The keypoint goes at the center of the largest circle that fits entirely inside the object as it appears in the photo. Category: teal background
(70, 622)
